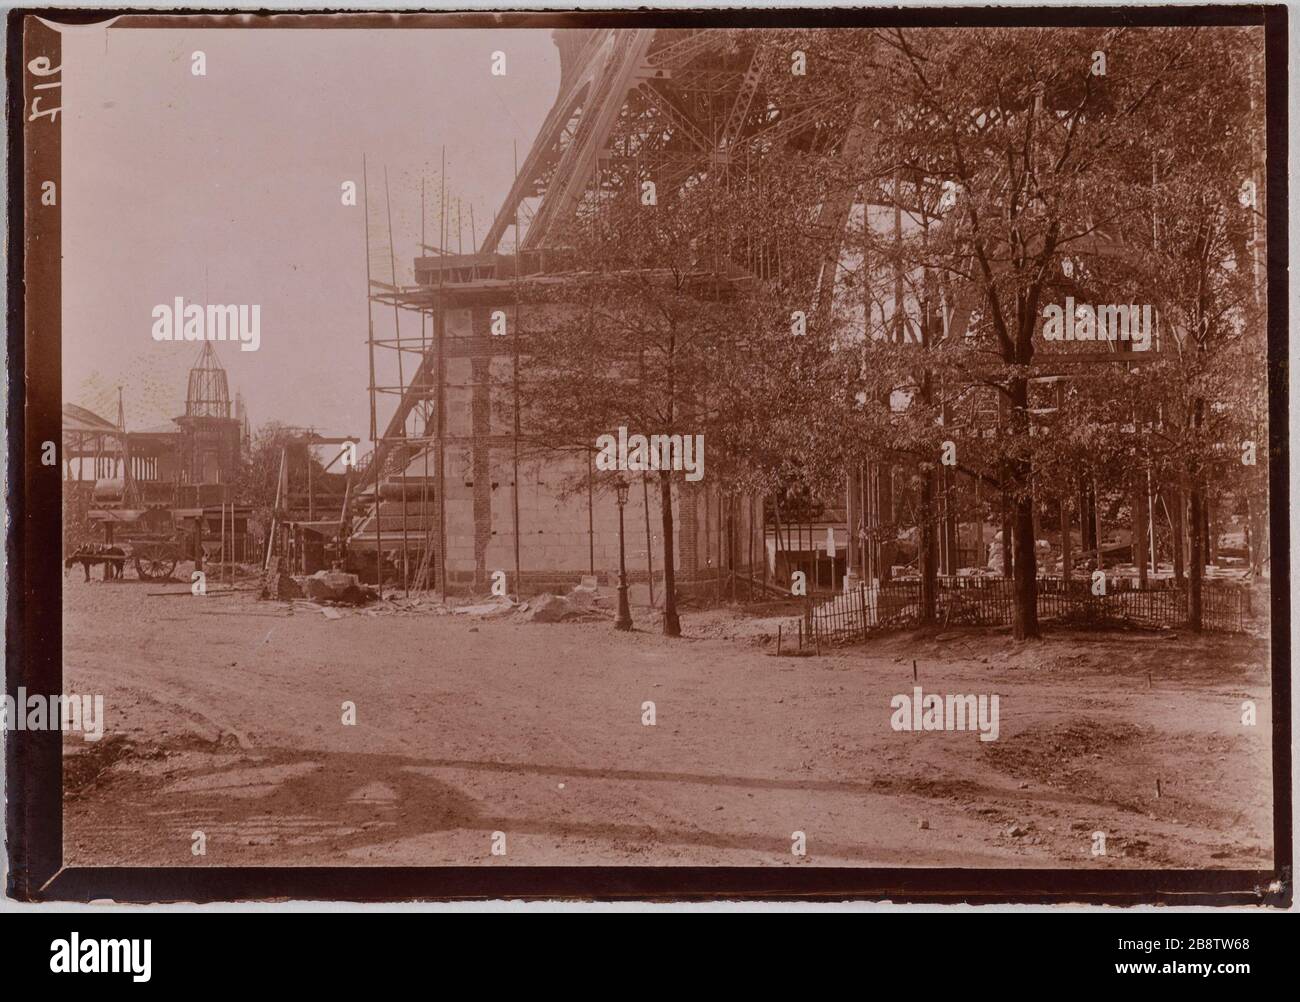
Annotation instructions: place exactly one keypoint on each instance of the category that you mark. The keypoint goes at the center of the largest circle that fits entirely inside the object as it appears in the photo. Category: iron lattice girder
(606, 99)
(704, 80)
(647, 93)
(665, 104)
(679, 52)
(679, 119)
(744, 98)
(578, 76)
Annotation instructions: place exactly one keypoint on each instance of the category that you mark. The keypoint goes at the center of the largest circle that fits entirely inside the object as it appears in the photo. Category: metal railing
(983, 601)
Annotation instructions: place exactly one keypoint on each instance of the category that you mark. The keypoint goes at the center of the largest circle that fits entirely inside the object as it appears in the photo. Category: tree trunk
(731, 544)
(1256, 515)
(1196, 570)
(884, 505)
(1066, 554)
(1085, 519)
(1211, 534)
(1006, 536)
(951, 525)
(926, 555)
(1025, 569)
(852, 512)
(1024, 624)
(1250, 540)
(778, 549)
(1140, 533)
(1175, 504)
(1096, 524)
(672, 626)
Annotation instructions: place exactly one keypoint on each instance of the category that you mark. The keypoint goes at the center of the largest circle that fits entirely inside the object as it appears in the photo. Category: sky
(227, 189)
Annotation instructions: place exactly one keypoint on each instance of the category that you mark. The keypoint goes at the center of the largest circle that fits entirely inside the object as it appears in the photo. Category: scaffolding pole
(440, 326)
(424, 426)
(374, 435)
(401, 383)
(514, 375)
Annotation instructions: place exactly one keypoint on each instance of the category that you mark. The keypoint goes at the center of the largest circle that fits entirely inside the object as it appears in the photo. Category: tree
(652, 329)
(1201, 258)
(1033, 147)
(259, 475)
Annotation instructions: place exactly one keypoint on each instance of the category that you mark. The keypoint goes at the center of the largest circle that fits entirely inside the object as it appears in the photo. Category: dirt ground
(224, 716)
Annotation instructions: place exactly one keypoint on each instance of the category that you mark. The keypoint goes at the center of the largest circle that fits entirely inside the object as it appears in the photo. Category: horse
(112, 558)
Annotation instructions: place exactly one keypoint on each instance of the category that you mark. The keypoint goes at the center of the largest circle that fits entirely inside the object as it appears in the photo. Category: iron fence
(983, 601)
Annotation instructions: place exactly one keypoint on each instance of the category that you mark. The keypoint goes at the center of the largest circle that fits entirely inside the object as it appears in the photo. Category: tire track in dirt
(467, 725)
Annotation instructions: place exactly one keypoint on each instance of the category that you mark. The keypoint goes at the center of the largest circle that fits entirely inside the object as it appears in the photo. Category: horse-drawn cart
(149, 537)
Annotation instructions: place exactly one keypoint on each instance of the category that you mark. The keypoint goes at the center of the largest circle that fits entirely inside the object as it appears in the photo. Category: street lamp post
(624, 620)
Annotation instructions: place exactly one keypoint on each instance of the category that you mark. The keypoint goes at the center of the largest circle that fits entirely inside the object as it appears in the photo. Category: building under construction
(156, 479)
(190, 462)
(453, 494)
(447, 476)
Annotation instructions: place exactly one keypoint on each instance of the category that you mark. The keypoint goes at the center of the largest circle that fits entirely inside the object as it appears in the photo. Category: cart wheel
(154, 561)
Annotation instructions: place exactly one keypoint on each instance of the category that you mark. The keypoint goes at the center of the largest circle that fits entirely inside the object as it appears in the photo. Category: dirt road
(225, 716)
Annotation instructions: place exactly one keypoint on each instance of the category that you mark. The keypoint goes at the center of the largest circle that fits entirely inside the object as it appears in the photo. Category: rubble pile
(338, 587)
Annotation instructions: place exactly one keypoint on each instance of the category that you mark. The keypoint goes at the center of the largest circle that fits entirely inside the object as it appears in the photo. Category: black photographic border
(33, 625)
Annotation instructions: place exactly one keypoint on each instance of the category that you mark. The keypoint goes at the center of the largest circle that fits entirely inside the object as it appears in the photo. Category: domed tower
(210, 446)
(208, 394)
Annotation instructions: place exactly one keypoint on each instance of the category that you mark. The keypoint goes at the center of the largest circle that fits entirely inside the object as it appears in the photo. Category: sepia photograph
(700, 444)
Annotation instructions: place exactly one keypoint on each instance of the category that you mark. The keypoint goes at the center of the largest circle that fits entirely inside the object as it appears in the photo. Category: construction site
(458, 569)
(454, 490)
